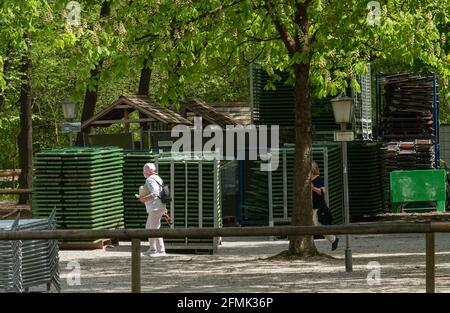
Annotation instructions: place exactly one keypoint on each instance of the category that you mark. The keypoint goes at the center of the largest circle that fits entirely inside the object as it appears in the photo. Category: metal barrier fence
(136, 235)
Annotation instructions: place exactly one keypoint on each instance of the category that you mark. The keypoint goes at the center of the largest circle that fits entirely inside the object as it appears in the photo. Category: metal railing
(136, 235)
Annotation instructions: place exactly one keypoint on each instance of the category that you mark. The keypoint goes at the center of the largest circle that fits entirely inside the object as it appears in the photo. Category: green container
(418, 185)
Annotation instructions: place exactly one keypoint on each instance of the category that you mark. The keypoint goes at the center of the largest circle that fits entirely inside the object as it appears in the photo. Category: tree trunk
(302, 214)
(144, 86)
(6, 70)
(90, 98)
(144, 81)
(24, 139)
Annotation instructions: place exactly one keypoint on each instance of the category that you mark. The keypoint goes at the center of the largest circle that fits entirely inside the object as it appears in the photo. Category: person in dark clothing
(318, 188)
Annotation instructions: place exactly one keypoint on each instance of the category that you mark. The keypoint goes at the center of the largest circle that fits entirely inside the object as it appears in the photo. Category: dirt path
(241, 266)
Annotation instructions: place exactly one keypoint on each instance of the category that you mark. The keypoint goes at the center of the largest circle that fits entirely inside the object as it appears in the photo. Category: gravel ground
(241, 265)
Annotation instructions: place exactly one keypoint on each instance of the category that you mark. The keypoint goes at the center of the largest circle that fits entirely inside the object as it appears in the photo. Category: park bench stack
(135, 214)
(196, 192)
(29, 263)
(85, 185)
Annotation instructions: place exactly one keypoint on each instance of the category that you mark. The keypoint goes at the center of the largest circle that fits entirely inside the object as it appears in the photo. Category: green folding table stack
(135, 214)
(276, 106)
(83, 184)
(196, 192)
(257, 204)
(328, 157)
(259, 200)
(365, 179)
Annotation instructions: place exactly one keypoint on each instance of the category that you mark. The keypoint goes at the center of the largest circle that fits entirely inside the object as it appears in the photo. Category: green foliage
(202, 49)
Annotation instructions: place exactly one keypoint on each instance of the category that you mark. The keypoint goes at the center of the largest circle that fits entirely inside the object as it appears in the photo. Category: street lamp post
(342, 109)
(70, 111)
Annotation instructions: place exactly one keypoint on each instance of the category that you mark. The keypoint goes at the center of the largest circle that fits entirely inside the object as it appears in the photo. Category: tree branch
(252, 39)
(282, 30)
(303, 23)
(216, 10)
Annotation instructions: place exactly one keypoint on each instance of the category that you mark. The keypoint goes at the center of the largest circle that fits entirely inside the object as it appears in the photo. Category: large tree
(324, 45)
(20, 21)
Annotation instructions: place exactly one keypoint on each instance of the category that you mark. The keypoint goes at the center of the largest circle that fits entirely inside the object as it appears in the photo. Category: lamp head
(342, 108)
(69, 108)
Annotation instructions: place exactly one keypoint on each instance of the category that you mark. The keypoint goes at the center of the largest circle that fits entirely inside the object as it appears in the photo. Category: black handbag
(324, 213)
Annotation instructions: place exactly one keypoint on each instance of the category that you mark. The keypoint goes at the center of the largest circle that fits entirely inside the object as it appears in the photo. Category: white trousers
(330, 238)
(154, 222)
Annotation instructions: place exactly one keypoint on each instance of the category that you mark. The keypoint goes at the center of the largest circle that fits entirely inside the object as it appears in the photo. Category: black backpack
(165, 193)
(324, 213)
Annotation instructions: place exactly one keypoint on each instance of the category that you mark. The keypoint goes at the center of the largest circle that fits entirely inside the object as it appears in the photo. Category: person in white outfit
(318, 187)
(155, 209)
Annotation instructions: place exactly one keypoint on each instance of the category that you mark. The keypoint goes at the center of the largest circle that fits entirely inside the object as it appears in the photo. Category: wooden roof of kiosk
(207, 112)
(150, 112)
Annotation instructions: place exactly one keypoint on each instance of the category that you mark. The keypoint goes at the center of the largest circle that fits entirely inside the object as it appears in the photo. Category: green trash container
(418, 185)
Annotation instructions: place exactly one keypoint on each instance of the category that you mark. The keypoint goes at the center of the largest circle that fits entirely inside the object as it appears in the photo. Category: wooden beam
(124, 106)
(14, 191)
(144, 234)
(126, 123)
(139, 120)
(9, 173)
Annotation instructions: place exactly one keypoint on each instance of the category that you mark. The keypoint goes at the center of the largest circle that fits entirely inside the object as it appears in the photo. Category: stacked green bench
(257, 196)
(196, 192)
(85, 186)
(135, 214)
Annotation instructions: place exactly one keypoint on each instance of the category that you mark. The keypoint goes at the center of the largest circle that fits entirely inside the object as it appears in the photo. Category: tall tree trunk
(90, 98)
(24, 139)
(144, 85)
(302, 214)
(6, 70)
(146, 75)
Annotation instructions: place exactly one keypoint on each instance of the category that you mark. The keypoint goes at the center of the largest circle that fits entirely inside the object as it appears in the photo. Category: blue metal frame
(437, 155)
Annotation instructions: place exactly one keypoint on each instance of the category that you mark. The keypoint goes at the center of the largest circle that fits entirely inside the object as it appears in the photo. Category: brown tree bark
(24, 139)
(302, 246)
(6, 70)
(146, 75)
(144, 85)
(90, 98)
(302, 215)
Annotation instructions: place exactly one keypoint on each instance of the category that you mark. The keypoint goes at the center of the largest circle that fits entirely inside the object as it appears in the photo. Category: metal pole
(436, 121)
(270, 199)
(172, 188)
(135, 265)
(348, 251)
(285, 202)
(378, 104)
(200, 194)
(430, 264)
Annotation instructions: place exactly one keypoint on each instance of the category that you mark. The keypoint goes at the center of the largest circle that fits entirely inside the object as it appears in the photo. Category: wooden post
(126, 123)
(430, 264)
(136, 265)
